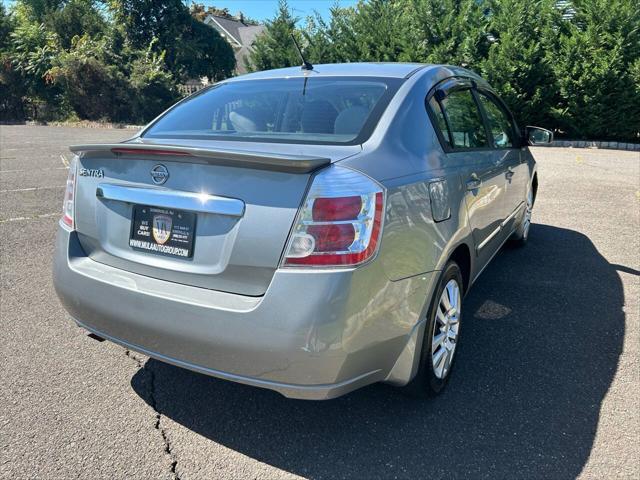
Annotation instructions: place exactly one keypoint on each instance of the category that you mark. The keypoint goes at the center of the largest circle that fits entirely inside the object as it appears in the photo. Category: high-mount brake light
(68, 204)
(149, 151)
(340, 222)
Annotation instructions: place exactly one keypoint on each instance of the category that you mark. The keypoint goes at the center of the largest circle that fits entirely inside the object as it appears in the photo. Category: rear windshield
(336, 110)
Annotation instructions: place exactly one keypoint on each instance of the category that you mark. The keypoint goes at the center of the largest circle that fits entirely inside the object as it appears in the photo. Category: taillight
(340, 222)
(68, 216)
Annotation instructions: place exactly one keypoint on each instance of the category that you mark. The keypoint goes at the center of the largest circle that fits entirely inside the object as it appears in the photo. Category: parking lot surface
(546, 383)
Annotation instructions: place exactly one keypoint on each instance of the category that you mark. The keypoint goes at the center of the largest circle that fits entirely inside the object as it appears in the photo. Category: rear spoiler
(213, 156)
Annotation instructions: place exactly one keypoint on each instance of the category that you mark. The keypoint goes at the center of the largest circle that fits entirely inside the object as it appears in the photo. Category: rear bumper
(314, 334)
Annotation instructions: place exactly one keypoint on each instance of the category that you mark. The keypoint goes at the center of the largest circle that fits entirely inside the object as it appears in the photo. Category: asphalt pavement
(546, 383)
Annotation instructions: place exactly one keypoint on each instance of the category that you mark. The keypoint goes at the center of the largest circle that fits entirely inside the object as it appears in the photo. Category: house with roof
(239, 35)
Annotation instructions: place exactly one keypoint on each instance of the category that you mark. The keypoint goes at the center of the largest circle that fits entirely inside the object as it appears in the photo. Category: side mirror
(537, 135)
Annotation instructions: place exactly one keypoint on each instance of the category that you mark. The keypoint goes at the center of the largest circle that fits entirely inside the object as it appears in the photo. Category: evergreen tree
(578, 74)
(335, 41)
(376, 26)
(444, 31)
(596, 67)
(274, 48)
(318, 44)
(518, 63)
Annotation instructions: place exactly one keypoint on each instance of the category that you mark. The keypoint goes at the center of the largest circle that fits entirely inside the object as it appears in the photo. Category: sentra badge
(91, 172)
(161, 228)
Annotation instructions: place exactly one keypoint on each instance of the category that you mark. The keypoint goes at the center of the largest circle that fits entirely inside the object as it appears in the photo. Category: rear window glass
(338, 110)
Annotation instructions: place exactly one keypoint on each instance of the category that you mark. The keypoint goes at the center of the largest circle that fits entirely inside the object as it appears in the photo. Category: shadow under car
(541, 336)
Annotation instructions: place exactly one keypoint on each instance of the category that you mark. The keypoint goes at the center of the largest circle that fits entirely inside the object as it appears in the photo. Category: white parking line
(65, 162)
(34, 170)
(31, 189)
(34, 217)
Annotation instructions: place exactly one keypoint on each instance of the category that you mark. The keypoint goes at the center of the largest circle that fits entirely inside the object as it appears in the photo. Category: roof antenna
(305, 65)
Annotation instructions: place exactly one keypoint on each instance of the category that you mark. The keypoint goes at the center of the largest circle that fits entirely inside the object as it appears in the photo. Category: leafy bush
(94, 89)
(120, 61)
(154, 87)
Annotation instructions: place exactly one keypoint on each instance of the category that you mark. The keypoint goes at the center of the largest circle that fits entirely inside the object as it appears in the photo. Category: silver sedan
(307, 231)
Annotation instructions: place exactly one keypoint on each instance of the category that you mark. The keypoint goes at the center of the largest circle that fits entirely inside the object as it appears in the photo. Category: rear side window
(499, 123)
(337, 110)
(464, 127)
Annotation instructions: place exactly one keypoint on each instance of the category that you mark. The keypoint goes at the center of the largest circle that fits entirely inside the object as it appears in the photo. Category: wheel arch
(406, 365)
(462, 256)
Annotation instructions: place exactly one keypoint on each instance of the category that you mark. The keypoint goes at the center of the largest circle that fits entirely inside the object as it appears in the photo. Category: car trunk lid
(239, 200)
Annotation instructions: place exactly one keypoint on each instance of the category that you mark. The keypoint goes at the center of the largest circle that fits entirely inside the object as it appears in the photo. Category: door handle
(509, 173)
(474, 182)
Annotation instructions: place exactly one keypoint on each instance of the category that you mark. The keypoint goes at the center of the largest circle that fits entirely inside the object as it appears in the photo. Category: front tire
(521, 234)
(441, 335)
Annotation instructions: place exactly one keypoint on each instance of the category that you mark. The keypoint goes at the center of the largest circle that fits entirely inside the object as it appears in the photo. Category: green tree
(333, 41)
(191, 49)
(274, 48)
(76, 18)
(28, 57)
(199, 11)
(12, 88)
(37, 11)
(596, 69)
(106, 80)
(444, 31)
(376, 26)
(318, 45)
(93, 88)
(154, 87)
(203, 53)
(6, 27)
(518, 63)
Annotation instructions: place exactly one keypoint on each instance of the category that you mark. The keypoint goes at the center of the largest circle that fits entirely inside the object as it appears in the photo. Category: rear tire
(441, 335)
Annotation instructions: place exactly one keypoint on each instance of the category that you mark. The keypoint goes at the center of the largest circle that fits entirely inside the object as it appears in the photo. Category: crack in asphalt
(152, 402)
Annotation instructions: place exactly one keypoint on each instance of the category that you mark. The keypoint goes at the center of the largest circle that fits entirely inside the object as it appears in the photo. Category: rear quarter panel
(405, 156)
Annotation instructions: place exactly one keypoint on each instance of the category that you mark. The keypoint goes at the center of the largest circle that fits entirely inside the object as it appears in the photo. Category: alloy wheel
(446, 329)
(527, 215)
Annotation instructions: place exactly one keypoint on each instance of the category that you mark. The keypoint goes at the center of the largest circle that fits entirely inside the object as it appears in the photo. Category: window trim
(452, 84)
(435, 123)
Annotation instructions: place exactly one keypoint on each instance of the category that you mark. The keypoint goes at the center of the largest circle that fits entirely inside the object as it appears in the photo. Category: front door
(507, 153)
(484, 180)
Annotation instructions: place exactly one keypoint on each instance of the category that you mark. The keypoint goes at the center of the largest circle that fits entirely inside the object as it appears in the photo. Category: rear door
(464, 137)
(506, 145)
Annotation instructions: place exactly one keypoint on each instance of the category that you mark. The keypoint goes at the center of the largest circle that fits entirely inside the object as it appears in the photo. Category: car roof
(355, 69)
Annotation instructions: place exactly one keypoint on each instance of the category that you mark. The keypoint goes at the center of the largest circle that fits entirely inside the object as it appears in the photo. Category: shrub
(95, 90)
